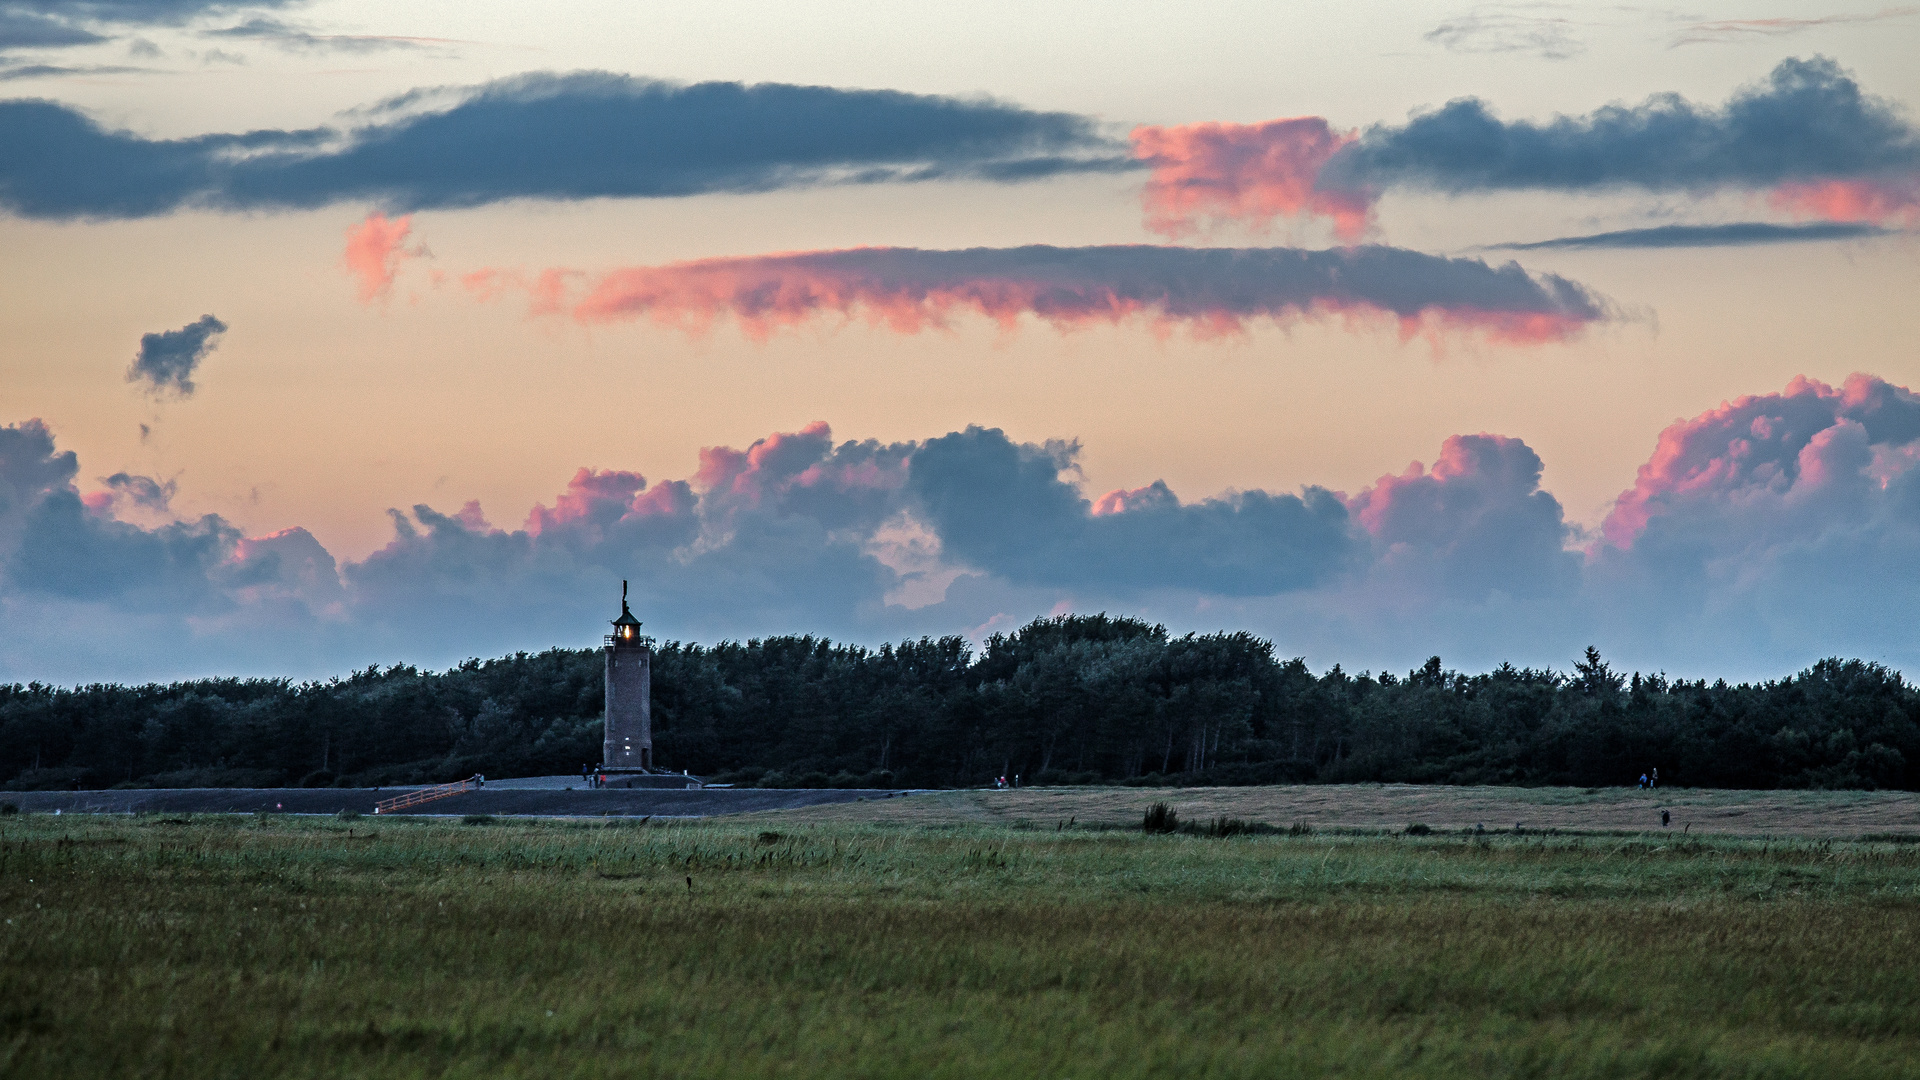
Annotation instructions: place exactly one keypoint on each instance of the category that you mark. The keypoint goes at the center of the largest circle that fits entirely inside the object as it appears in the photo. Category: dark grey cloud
(48, 71)
(166, 359)
(56, 24)
(134, 12)
(142, 491)
(1010, 509)
(26, 28)
(1808, 120)
(1212, 289)
(578, 136)
(1735, 234)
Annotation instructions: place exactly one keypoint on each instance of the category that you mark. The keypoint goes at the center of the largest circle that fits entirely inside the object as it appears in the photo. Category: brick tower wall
(629, 742)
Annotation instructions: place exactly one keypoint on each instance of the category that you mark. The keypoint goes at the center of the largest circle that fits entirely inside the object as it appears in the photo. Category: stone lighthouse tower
(629, 745)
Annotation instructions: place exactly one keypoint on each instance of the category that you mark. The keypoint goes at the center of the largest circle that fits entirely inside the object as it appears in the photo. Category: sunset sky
(337, 334)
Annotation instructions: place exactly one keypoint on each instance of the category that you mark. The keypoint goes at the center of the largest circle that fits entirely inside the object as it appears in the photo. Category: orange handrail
(427, 795)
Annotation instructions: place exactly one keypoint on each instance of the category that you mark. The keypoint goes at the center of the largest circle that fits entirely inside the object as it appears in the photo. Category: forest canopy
(1067, 700)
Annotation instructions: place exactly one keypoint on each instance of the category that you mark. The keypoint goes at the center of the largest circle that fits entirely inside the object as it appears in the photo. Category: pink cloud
(595, 498)
(546, 291)
(1252, 173)
(1209, 291)
(1893, 201)
(1763, 459)
(1476, 521)
(374, 253)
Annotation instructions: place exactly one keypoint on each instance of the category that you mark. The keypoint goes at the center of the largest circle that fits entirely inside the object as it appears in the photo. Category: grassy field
(1808, 814)
(251, 947)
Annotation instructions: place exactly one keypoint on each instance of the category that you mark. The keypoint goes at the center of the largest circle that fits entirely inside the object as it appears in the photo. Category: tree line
(1067, 700)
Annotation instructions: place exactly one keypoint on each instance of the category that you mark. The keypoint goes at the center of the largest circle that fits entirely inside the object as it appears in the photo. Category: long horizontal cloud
(578, 136)
(1734, 234)
(1210, 290)
(1760, 535)
(1806, 135)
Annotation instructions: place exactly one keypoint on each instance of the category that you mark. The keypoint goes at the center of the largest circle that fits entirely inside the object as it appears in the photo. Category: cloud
(1012, 510)
(137, 12)
(1761, 535)
(1807, 137)
(559, 137)
(166, 360)
(1477, 522)
(1207, 290)
(1775, 524)
(374, 253)
(1732, 30)
(1807, 123)
(25, 28)
(1248, 172)
(55, 24)
(1762, 455)
(47, 71)
(1497, 30)
(140, 492)
(296, 39)
(1735, 234)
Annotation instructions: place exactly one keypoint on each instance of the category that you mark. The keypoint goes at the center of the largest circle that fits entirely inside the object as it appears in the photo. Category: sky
(339, 335)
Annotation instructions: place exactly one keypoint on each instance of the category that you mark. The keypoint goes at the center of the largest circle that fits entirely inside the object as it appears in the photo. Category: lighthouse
(629, 742)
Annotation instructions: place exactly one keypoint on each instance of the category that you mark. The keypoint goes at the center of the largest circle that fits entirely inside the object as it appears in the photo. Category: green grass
(274, 947)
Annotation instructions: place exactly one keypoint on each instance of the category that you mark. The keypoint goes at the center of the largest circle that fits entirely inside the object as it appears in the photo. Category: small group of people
(592, 777)
(1001, 783)
(1650, 779)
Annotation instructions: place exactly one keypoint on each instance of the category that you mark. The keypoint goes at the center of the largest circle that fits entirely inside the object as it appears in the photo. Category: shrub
(1223, 827)
(1160, 819)
(1417, 829)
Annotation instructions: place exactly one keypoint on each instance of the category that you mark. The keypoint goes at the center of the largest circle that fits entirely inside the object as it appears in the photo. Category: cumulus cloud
(1732, 234)
(1775, 521)
(167, 359)
(1206, 290)
(1476, 523)
(1012, 510)
(1806, 136)
(543, 136)
(1761, 535)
